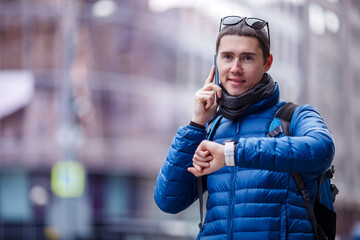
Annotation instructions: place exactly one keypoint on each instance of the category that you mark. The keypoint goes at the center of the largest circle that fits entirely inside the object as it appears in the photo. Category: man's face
(240, 63)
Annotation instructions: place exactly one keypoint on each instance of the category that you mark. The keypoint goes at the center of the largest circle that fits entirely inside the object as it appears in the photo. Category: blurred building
(107, 83)
(333, 86)
(326, 37)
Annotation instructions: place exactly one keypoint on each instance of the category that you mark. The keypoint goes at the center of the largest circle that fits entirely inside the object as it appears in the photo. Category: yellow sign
(67, 179)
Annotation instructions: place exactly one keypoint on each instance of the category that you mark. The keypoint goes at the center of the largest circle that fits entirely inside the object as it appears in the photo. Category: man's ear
(268, 62)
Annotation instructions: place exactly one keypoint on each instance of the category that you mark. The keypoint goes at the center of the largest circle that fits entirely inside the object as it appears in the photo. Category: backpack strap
(284, 115)
(199, 180)
(328, 174)
(199, 188)
(213, 127)
(306, 197)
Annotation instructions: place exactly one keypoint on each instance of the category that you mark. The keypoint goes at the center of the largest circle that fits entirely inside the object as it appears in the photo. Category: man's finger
(205, 96)
(213, 87)
(200, 164)
(202, 153)
(194, 172)
(210, 78)
(204, 145)
(197, 167)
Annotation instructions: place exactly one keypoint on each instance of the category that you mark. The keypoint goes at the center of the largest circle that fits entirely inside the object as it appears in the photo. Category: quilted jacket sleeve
(175, 188)
(310, 149)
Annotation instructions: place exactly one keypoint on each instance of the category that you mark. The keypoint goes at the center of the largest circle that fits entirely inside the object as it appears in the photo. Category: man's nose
(236, 66)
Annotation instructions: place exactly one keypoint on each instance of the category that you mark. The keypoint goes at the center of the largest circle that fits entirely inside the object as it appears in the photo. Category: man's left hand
(208, 158)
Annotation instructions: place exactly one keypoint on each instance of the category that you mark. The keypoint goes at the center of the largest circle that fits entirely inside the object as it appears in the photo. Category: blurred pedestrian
(248, 175)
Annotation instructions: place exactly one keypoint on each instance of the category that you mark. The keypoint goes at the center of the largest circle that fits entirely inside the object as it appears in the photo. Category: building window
(15, 204)
(117, 193)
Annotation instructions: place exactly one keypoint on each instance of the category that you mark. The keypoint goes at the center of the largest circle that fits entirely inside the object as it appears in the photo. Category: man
(251, 195)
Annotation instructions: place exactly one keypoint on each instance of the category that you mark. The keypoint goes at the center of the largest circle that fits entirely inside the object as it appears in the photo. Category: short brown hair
(242, 29)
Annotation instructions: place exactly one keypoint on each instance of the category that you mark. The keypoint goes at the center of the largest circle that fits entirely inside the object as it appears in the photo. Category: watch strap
(229, 153)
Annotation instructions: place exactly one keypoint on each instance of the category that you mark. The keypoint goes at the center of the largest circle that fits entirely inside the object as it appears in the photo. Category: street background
(93, 91)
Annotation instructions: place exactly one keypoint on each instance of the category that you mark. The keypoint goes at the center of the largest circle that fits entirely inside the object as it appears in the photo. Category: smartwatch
(229, 153)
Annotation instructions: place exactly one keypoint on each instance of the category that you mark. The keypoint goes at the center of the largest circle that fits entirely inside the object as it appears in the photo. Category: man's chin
(236, 92)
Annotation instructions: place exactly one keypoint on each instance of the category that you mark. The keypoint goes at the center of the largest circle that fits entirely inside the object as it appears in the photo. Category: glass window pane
(14, 197)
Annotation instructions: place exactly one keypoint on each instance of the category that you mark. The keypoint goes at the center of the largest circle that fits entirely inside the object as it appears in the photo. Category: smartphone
(217, 81)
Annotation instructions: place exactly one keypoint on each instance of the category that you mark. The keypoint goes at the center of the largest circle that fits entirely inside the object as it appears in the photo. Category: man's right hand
(205, 103)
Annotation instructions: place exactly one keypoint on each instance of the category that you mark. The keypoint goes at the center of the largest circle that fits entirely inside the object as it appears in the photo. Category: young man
(251, 195)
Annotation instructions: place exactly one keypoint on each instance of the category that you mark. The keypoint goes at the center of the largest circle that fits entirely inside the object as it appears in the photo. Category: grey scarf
(232, 107)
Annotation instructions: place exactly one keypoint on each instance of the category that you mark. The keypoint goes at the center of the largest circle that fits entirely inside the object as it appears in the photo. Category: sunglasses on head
(256, 23)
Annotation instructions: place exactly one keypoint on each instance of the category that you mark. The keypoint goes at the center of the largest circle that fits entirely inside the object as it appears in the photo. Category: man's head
(243, 56)
(259, 31)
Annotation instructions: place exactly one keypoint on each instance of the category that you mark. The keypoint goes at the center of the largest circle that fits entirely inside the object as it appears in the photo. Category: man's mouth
(237, 80)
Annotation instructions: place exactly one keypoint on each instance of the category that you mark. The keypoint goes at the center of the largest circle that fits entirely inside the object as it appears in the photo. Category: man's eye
(227, 57)
(247, 58)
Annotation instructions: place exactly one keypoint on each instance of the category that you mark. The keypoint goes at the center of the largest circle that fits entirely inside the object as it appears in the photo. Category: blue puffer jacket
(258, 198)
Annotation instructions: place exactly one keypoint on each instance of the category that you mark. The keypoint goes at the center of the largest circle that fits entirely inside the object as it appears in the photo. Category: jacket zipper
(232, 195)
(232, 204)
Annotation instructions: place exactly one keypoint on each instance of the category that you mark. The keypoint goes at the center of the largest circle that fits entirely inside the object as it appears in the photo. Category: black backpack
(322, 217)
